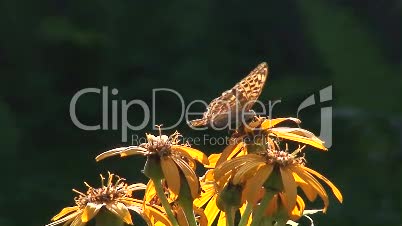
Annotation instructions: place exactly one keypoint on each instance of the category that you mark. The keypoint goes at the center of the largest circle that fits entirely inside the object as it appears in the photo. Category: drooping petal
(289, 186)
(310, 192)
(77, 222)
(269, 123)
(254, 184)
(297, 212)
(201, 217)
(67, 219)
(299, 135)
(235, 163)
(194, 153)
(123, 152)
(190, 175)
(171, 173)
(335, 190)
(246, 171)
(90, 211)
(121, 211)
(64, 212)
(313, 183)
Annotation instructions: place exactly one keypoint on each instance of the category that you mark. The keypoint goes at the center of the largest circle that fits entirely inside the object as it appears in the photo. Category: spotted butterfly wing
(242, 96)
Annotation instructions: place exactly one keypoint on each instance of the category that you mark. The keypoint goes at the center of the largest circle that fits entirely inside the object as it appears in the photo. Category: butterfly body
(235, 104)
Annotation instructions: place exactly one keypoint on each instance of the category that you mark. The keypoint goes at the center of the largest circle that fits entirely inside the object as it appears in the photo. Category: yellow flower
(173, 157)
(116, 197)
(262, 128)
(208, 199)
(209, 196)
(277, 170)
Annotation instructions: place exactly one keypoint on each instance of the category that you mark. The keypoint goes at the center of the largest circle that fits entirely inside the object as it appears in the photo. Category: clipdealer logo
(119, 110)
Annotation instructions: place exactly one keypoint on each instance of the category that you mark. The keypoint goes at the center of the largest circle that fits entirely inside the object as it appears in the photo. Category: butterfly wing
(242, 95)
(250, 88)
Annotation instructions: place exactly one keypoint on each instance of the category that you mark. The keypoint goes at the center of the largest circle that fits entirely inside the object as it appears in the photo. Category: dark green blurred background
(52, 49)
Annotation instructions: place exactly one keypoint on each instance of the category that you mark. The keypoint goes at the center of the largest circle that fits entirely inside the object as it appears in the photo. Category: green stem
(281, 222)
(188, 212)
(230, 214)
(106, 218)
(246, 215)
(259, 213)
(165, 202)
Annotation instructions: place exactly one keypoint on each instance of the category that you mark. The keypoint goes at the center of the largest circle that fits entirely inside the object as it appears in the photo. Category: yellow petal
(201, 217)
(299, 135)
(310, 192)
(171, 173)
(77, 222)
(211, 211)
(246, 171)
(91, 209)
(150, 192)
(297, 212)
(123, 151)
(156, 216)
(190, 175)
(208, 191)
(194, 153)
(313, 183)
(289, 186)
(66, 219)
(222, 219)
(335, 190)
(121, 211)
(235, 144)
(213, 159)
(269, 123)
(234, 164)
(64, 212)
(255, 183)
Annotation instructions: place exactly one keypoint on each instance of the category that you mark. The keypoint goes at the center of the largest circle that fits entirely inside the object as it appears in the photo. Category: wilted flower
(115, 197)
(172, 157)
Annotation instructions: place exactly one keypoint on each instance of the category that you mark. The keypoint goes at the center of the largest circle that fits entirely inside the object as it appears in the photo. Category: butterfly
(221, 111)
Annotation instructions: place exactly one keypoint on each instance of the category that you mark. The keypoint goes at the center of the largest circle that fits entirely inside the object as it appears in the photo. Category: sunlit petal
(254, 184)
(123, 151)
(213, 159)
(66, 219)
(289, 186)
(309, 191)
(246, 171)
(194, 153)
(299, 135)
(64, 212)
(171, 174)
(269, 123)
(190, 175)
(335, 190)
(91, 209)
(121, 211)
(235, 144)
(211, 210)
